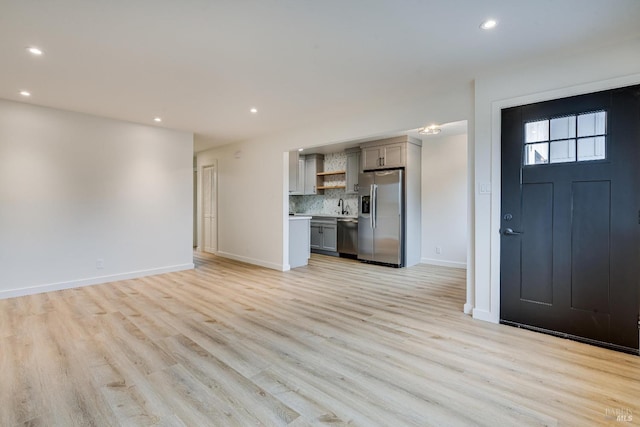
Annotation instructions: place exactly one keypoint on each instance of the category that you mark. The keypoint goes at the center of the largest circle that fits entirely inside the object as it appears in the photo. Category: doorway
(210, 209)
(570, 217)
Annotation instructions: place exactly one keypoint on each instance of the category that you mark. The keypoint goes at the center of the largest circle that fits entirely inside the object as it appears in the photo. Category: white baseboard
(31, 290)
(468, 308)
(253, 261)
(443, 263)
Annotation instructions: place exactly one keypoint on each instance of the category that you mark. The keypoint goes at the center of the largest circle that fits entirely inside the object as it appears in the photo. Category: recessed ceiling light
(489, 24)
(300, 149)
(25, 93)
(253, 110)
(34, 51)
(157, 119)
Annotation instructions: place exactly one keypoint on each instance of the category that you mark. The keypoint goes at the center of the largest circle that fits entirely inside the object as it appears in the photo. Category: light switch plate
(484, 188)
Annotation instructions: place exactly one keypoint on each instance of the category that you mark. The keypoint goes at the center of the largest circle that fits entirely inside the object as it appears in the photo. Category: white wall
(75, 189)
(444, 200)
(251, 203)
(543, 79)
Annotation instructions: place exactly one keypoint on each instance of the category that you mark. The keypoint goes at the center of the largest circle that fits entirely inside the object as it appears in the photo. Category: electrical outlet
(99, 263)
(438, 250)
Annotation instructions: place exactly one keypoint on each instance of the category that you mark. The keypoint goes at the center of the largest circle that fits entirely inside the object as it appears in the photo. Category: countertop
(299, 217)
(326, 215)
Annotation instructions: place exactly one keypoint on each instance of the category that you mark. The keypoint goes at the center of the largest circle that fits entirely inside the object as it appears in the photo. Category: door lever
(510, 232)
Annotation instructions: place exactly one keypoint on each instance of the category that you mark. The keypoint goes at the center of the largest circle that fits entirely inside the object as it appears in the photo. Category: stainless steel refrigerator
(381, 217)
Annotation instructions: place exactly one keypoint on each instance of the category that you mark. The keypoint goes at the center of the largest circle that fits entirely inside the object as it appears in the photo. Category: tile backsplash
(327, 203)
(335, 162)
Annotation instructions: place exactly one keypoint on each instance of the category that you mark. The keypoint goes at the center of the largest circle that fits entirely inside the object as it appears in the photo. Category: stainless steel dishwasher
(348, 237)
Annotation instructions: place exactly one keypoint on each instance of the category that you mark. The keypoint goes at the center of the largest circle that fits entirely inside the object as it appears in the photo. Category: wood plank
(336, 342)
(330, 187)
(325, 173)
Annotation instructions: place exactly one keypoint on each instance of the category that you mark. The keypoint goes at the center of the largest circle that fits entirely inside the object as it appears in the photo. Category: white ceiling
(202, 64)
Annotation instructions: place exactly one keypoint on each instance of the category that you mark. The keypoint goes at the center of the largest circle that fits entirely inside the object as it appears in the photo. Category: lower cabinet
(324, 235)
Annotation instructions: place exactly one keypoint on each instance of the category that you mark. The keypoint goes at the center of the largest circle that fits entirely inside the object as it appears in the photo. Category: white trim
(496, 133)
(468, 308)
(487, 316)
(285, 212)
(444, 263)
(202, 244)
(12, 293)
(271, 265)
(471, 232)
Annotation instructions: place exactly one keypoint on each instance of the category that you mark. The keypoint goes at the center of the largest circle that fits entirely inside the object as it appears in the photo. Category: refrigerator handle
(371, 205)
(374, 206)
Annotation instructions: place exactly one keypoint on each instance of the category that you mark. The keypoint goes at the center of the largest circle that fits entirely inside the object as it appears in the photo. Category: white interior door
(209, 209)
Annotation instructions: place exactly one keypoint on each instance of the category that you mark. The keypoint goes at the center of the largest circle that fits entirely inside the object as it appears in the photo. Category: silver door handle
(510, 232)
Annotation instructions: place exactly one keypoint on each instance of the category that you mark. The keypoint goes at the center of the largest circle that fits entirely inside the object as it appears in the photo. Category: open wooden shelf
(328, 185)
(331, 187)
(331, 173)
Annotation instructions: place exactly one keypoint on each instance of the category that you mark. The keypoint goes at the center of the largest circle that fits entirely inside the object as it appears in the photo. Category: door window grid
(574, 138)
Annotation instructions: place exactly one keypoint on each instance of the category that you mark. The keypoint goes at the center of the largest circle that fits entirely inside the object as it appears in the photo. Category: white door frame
(202, 245)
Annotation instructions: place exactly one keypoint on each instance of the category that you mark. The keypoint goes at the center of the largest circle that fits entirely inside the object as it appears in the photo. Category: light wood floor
(334, 343)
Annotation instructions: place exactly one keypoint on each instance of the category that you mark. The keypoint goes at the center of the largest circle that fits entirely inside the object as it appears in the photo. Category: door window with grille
(574, 138)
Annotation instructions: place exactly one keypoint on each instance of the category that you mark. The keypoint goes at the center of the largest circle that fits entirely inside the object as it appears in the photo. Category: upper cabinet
(300, 185)
(303, 173)
(296, 173)
(313, 163)
(353, 171)
(394, 155)
(384, 156)
(293, 171)
(386, 153)
(370, 158)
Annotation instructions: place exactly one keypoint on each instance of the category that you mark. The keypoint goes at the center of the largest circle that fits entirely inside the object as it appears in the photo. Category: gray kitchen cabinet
(384, 154)
(370, 158)
(394, 155)
(296, 173)
(313, 163)
(324, 235)
(353, 172)
(300, 186)
(316, 235)
(330, 238)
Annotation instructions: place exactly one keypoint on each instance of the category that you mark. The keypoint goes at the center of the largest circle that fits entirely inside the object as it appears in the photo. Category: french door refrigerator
(381, 217)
